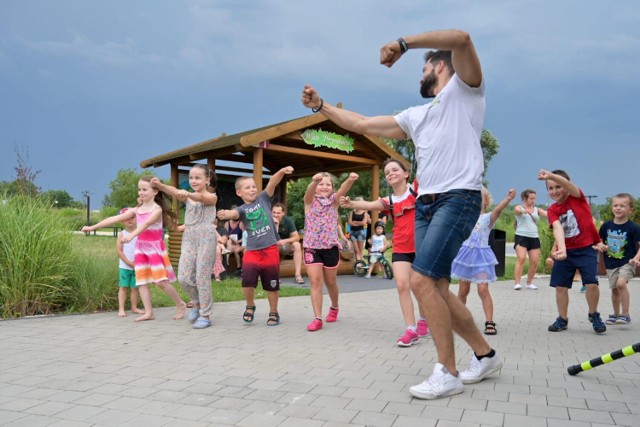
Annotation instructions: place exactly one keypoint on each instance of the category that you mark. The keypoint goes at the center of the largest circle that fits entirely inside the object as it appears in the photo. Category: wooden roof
(284, 147)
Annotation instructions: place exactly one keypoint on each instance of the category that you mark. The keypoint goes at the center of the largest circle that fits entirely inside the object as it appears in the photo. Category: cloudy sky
(91, 87)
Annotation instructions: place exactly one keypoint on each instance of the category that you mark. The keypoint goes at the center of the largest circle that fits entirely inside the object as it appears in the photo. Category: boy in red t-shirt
(576, 235)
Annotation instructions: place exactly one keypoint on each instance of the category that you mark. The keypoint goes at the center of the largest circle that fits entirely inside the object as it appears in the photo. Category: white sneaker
(440, 384)
(480, 369)
(517, 287)
(532, 287)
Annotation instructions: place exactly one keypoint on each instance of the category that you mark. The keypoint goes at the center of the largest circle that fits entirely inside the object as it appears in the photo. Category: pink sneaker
(315, 325)
(423, 328)
(333, 315)
(408, 339)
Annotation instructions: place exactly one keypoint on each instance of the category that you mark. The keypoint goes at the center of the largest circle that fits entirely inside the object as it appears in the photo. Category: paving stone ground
(101, 370)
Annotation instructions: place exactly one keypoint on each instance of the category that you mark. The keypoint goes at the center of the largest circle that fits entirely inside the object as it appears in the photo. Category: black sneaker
(559, 325)
(597, 323)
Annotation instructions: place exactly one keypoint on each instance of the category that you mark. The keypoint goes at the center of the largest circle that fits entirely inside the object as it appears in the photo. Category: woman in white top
(527, 240)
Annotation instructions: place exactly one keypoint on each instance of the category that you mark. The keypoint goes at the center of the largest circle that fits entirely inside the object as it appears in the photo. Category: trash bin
(498, 241)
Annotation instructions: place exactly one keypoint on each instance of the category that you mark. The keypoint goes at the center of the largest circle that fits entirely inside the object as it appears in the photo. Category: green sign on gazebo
(320, 138)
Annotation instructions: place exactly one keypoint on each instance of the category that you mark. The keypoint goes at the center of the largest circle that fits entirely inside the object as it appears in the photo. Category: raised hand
(310, 97)
(390, 53)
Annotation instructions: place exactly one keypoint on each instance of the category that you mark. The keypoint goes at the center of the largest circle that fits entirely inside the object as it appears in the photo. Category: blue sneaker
(597, 323)
(559, 325)
(624, 319)
(201, 323)
(193, 315)
(612, 319)
(583, 289)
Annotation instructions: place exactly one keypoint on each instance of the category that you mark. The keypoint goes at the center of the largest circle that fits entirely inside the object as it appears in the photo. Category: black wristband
(403, 45)
(315, 110)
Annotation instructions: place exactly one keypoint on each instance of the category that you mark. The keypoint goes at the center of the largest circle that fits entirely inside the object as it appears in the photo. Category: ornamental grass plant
(35, 258)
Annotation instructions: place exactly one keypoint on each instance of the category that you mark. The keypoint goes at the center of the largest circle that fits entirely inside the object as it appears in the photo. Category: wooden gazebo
(310, 144)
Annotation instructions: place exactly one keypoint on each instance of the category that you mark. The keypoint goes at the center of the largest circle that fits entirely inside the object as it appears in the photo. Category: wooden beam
(322, 154)
(294, 136)
(216, 153)
(283, 129)
(257, 167)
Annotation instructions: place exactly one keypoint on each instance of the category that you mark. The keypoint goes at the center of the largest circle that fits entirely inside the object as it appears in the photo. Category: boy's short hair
(240, 179)
(625, 196)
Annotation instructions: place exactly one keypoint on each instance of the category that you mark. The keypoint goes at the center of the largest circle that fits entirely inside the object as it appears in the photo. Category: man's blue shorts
(443, 222)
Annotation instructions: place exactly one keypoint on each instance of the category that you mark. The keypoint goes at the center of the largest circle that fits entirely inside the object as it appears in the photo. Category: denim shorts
(585, 260)
(359, 235)
(441, 227)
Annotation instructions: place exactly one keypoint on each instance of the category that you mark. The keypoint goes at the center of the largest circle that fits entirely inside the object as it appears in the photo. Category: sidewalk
(99, 370)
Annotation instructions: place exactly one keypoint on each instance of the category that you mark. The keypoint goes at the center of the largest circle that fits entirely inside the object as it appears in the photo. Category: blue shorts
(359, 235)
(441, 227)
(585, 260)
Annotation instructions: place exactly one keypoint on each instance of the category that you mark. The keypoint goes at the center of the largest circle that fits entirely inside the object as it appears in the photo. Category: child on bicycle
(378, 244)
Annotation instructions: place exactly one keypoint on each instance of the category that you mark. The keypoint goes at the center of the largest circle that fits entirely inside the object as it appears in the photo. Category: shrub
(35, 256)
(93, 279)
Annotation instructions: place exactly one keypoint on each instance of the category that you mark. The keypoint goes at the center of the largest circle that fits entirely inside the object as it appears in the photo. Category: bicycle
(361, 267)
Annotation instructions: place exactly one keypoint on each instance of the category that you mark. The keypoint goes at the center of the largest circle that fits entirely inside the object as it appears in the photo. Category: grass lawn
(103, 249)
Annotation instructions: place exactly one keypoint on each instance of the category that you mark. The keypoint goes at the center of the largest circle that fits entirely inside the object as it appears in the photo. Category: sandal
(490, 328)
(274, 319)
(299, 280)
(248, 317)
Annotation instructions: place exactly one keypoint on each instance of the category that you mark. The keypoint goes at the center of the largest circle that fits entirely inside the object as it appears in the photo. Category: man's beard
(428, 85)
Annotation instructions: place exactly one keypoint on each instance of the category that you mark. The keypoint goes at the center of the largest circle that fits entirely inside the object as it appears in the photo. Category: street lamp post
(87, 197)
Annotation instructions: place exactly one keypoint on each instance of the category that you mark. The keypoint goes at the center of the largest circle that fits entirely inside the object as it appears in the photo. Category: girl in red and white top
(400, 208)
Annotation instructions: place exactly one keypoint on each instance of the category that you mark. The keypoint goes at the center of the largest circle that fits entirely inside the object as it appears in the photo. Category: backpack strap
(411, 190)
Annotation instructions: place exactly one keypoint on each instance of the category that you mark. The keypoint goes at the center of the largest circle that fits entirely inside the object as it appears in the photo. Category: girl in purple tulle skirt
(476, 262)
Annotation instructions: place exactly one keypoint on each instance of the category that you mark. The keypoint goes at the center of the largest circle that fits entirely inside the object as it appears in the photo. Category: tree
(24, 184)
(25, 176)
(490, 146)
(124, 189)
(60, 199)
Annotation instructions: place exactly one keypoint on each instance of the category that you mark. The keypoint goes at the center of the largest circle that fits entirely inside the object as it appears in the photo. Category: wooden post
(283, 191)
(257, 167)
(211, 164)
(375, 193)
(175, 181)
(175, 238)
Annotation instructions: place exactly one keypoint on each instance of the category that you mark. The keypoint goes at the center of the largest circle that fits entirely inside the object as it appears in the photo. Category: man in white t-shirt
(446, 133)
